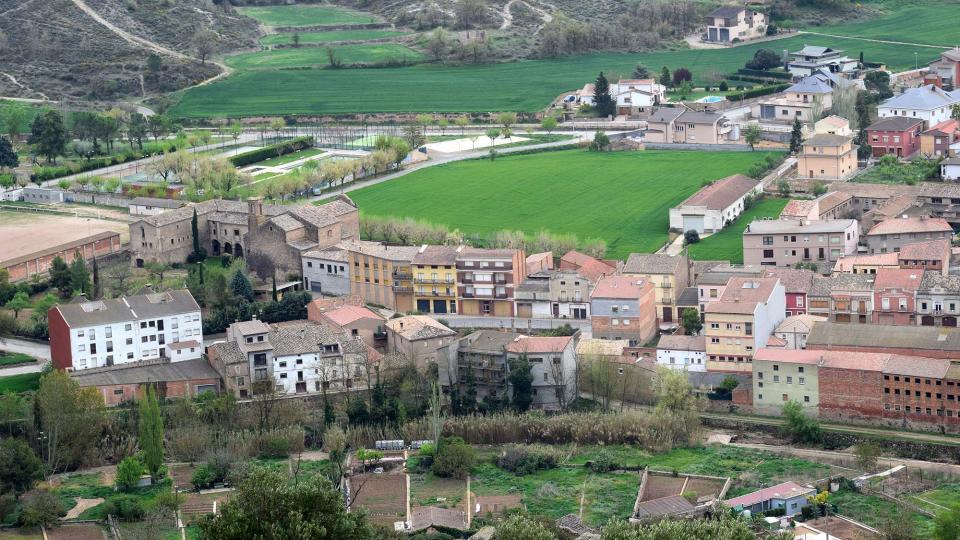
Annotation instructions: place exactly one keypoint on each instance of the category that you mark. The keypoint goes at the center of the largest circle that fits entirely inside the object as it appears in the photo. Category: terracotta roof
(682, 343)
(910, 225)
(664, 506)
(793, 280)
(846, 264)
(742, 295)
(595, 269)
(618, 287)
(526, 344)
(347, 314)
(851, 282)
(149, 371)
(907, 279)
(798, 208)
(722, 193)
(916, 366)
(945, 128)
(414, 327)
(880, 336)
(786, 490)
(934, 250)
(424, 517)
(380, 250)
(833, 199)
(436, 255)
(774, 341)
(178, 345)
(576, 258)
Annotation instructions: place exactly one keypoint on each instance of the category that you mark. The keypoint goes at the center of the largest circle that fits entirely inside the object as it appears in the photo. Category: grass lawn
(332, 35)
(621, 197)
(727, 245)
(426, 489)
(306, 15)
(944, 496)
(875, 511)
(13, 359)
(369, 53)
(24, 382)
(931, 23)
(288, 158)
(516, 86)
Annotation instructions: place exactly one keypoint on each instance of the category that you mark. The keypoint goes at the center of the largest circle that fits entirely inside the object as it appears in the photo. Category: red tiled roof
(846, 264)
(525, 344)
(946, 127)
(934, 250)
(907, 279)
(618, 287)
(798, 208)
(576, 258)
(594, 270)
(861, 361)
(742, 295)
(785, 490)
(344, 315)
(935, 368)
(911, 225)
(722, 193)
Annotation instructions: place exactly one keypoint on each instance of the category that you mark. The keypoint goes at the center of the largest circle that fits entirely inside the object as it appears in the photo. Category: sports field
(331, 35)
(306, 15)
(24, 232)
(727, 245)
(367, 53)
(517, 86)
(620, 197)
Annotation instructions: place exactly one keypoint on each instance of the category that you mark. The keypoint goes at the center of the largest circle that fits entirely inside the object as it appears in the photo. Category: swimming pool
(710, 99)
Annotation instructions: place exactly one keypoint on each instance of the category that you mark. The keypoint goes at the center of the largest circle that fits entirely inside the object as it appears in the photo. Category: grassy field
(20, 383)
(306, 15)
(627, 205)
(12, 359)
(289, 158)
(875, 511)
(370, 53)
(929, 23)
(727, 245)
(518, 86)
(330, 36)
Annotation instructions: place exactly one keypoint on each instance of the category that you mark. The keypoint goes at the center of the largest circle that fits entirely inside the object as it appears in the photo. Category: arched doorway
(950, 321)
(926, 320)
(238, 250)
(216, 247)
(228, 248)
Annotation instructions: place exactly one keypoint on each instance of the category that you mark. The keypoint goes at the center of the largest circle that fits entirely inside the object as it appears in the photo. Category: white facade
(296, 374)
(325, 274)
(135, 340)
(682, 360)
(929, 103)
(768, 315)
(552, 372)
(703, 219)
(950, 169)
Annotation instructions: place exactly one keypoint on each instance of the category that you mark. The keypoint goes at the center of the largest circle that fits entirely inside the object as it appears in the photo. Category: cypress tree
(97, 289)
(196, 236)
(796, 136)
(79, 276)
(151, 432)
(601, 97)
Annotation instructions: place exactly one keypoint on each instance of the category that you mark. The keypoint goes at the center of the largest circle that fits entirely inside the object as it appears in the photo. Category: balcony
(402, 289)
(402, 276)
(449, 281)
(501, 296)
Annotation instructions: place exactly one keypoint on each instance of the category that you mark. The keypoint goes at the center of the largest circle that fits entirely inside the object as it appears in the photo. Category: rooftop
(723, 193)
(793, 226)
(156, 202)
(127, 308)
(786, 490)
(414, 327)
(895, 123)
(149, 371)
(527, 344)
(878, 336)
(799, 208)
(381, 250)
(937, 282)
(653, 263)
(828, 140)
(798, 323)
(429, 255)
(348, 314)
(927, 97)
(846, 264)
(794, 280)
(906, 279)
(811, 85)
(682, 343)
(626, 287)
(933, 250)
(602, 347)
(742, 295)
(488, 341)
(910, 225)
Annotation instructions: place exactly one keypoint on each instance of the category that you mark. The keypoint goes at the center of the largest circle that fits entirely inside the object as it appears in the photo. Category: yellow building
(741, 321)
(670, 275)
(381, 274)
(434, 271)
(827, 157)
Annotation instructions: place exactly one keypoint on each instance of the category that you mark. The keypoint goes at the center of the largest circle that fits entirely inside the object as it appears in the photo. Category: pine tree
(601, 97)
(241, 287)
(60, 276)
(79, 276)
(151, 432)
(665, 78)
(796, 136)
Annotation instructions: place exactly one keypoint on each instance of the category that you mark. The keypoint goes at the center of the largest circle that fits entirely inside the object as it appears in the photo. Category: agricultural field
(627, 206)
(305, 57)
(25, 382)
(930, 23)
(330, 36)
(306, 15)
(727, 245)
(527, 85)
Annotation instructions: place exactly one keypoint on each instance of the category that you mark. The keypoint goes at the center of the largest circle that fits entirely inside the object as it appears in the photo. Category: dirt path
(82, 505)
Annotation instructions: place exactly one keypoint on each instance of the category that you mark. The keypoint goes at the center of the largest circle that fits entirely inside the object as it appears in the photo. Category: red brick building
(127, 382)
(26, 266)
(796, 284)
(896, 135)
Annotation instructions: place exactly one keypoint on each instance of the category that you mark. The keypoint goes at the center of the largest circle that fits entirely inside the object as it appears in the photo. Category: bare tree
(264, 403)
(119, 274)
(559, 381)
(203, 42)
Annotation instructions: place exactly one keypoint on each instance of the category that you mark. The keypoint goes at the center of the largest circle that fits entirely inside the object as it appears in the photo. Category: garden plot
(383, 496)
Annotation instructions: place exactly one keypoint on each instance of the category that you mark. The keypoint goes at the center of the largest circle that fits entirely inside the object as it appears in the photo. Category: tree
(818, 188)
(268, 505)
(154, 65)
(798, 425)
(157, 270)
(150, 426)
(867, 455)
(60, 276)
(796, 137)
(159, 126)
(128, 474)
(492, 134)
(469, 12)
(549, 123)
(199, 253)
(506, 121)
(119, 274)
(691, 321)
(295, 39)
(863, 120)
(681, 75)
(240, 286)
(96, 290)
(896, 528)
(955, 112)
(764, 59)
(18, 303)
(602, 102)
(203, 42)
(521, 527)
(236, 130)
(521, 380)
(462, 122)
(665, 76)
(20, 467)
(946, 526)
(49, 135)
(437, 44)
(8, 157)
(40, 507)
(600, 142)
(674, 392)
(79, 276)
(640, 71)
(751, 135)
(454, 458)
(15, 115)
(691, 237)
(70, 419)
(878, 82)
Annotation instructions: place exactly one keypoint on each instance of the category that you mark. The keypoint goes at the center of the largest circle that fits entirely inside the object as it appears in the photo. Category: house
(833, 125)
(893, 234)
(539, 262)
(427, 517)
(801, 210)
(938, 300)
(796, 284)
(789, 496)
(299, 357)
(832, 205)
(574, 260)
(382, 274)
(150, 206)
(788, 242)
(932, 256)
(42, 195)
(894, 291)
(950, 169)
(811, 59)
(929, 103)
(712, 283)
(682, 352)
(827, 157)
(171, 380)
(327, 271)
(714, 206)
(563, 294)
(866, 264)
(731, 24)
(937, 140)
(795, 329)
(925, 341)
(946, 70)
(798, 102)
(128, 329)
(852, 298)
(418, 337)
(637, 96)
(435, 279)
(681, 125)
(818, 297)
(477, 361)
(487, 278)
(742, 321)
(624, 372)
(494, 505)
(895, 135)
(623, 307)
(669, 275)
(553, 366)
(356, 320)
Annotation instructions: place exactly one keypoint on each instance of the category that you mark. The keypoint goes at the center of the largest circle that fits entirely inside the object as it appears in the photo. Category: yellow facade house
(434, 271)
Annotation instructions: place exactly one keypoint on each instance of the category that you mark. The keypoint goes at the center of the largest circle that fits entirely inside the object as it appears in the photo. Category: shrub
(128, 474)
(204, 476)
(39, 507)
(724, 86)
(691, 237)
(527, 459)
(274, 446)
(271, 151)
(454, 458)
(806, 513)
(756, 92)
(602, 463)
(124, 507)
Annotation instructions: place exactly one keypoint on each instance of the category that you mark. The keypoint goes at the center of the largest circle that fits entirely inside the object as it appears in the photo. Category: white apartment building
(928, 103)
(682, 353)
(326, 271)
(127, 329)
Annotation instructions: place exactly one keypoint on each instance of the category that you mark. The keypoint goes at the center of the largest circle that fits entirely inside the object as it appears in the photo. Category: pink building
(894, 296)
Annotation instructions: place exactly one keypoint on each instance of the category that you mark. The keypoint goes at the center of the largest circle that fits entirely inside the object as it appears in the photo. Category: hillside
(53, 49)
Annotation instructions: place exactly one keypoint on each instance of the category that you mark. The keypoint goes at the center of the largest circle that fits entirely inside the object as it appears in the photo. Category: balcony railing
(402, 289)
(402, 276)
(450, 281)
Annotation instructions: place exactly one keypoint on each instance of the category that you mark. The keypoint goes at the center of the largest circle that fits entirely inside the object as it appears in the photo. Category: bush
(39, 507)
(204, 476)
(806, 513)
(757, 92)
(124, 507)
(602, 463)
(274, 446)
(691, 237)
(454, 458)
(128, 474)
(271, 151)
(527, 459)
(723, 86)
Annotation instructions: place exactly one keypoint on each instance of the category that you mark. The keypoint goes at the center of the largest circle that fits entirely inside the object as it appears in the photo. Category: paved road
(36, 350)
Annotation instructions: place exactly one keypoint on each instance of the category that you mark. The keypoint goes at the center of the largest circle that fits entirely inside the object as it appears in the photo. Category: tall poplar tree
(151, 432)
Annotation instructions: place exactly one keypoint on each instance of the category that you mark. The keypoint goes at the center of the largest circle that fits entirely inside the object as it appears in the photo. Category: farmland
(727, 245)
(366, 53)
(627, 206)
(330, 36)
(929, 23)
(306, 15)
(519, 86)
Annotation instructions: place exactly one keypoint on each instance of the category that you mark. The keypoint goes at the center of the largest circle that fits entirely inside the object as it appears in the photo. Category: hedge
(271, 151)
(52, 172)
(749, 78)
(757, 92)
(784, 75)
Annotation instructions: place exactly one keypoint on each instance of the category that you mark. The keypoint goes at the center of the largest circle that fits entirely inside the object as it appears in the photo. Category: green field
(518, 86)
(928, 23)
(727, 245)
(370, 53)
(12, 359)
(20, 383)
(306, 15)
(620, 197)
(332, 35)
